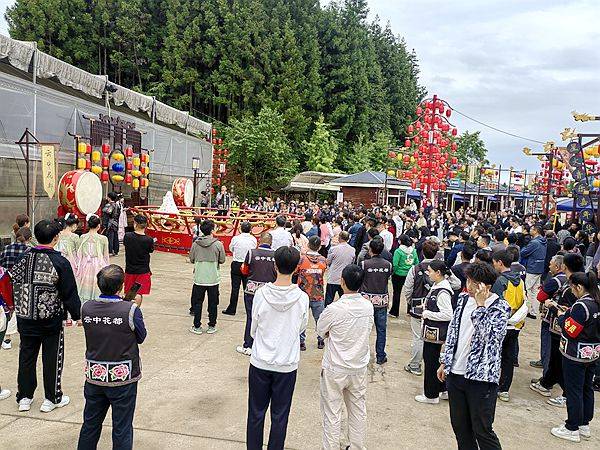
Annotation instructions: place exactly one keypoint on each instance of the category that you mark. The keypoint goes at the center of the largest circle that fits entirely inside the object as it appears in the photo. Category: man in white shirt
(281, 237)
(346, 325)
(386, 235)
(240, 246)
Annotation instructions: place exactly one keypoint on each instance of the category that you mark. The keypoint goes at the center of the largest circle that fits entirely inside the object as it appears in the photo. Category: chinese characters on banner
(49, 169)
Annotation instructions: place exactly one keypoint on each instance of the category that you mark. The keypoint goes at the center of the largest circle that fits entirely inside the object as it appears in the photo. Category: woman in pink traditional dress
(92, 256)
(68, 241)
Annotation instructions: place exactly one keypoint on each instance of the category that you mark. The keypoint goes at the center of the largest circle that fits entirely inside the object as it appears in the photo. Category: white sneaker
(568, 435)
(6, 345)
(422, 399)
(584, 432)
(25, 404)
(211, 330)
(560, 401)
(4, 394)
(444, 395)
(48, 406)
(537, 387)
(195, 330)
(244, 350)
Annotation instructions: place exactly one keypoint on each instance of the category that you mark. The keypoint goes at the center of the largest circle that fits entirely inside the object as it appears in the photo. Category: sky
(518, 65)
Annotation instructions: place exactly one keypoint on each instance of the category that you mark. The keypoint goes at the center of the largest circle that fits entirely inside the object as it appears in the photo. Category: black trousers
(237, 279)
(330, 291)
(266, 387)
(97, 401)
(113, 240)
(579, 391)
(248, 301)
(198, 293)
(510, 351)
(397, 284)
(432, 386)
(472, 411)
(554, 374)
(53, 348)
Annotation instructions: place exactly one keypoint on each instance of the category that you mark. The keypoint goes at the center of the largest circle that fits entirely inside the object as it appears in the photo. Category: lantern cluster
(114, 165)
(430, 150)
(220, 157)
(553, 178)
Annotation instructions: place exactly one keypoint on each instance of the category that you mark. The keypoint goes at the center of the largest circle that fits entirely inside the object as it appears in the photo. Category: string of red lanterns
(430, 149)
(220, 160)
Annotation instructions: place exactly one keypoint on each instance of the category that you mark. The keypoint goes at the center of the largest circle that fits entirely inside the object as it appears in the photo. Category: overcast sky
(518, 65)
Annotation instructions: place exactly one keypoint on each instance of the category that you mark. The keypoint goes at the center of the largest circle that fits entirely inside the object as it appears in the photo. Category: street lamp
(195, 168)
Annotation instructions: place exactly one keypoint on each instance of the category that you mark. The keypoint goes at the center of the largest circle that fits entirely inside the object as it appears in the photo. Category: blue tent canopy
(413, 193)
(565, 204)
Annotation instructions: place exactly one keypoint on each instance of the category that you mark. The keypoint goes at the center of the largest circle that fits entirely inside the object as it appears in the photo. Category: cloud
(521, 66)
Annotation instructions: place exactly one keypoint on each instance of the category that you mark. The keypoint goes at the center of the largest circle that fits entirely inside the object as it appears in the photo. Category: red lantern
(417, 140)
(454, 146)
(419, 110)
(424, 134)
(127, 178)
(413, 184)
(410, 129)
(392, 155)
(88, 149)
(214, 131)
(407, 143)
(105, 162)
(220, 141)
(454, 132)
(105, 148)
(214, 141)
(88, 164)
(128, 152)
(454, 160)
(443, 186)
(406, 159)
(104, 177)
(448, 112)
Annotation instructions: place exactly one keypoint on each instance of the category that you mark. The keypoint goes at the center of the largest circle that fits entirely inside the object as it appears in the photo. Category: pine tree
(322, 148)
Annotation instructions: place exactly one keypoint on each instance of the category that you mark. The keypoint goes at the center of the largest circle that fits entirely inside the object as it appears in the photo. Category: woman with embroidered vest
(471, 359)
(580, 347)
(437, 313)
(114, 328)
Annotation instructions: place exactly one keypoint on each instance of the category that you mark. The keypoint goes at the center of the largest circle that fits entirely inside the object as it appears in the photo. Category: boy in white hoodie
(279, 315)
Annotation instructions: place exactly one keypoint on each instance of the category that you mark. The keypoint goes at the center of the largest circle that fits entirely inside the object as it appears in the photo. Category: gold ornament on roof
(568, 134)
(527, 150)
(548, 146)
(583, 117)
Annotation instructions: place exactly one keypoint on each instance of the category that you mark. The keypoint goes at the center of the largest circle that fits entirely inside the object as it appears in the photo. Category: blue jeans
(317, 309)
(545, 344)
(97, 401)
(380, 317)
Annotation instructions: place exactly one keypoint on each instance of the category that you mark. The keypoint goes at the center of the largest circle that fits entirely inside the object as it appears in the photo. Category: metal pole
(498, 187)
(27, 171)
(195, 184)
(509, 181)
(464, 202)
(523, 192)
(478, 191)
(549, 184)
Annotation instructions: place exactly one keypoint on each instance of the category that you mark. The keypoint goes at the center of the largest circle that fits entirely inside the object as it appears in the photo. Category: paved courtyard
(194, 388)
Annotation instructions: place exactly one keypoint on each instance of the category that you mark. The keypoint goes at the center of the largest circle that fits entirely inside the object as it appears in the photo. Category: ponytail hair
(71, 219)
(589, 282)
(23, 235)
(20, 222)
(440, 266)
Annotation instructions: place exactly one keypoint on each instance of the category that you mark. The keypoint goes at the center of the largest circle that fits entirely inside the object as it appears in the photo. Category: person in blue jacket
(534, 255)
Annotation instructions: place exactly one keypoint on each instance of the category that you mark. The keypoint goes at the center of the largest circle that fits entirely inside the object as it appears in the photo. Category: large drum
(183, 192)
(80, 192)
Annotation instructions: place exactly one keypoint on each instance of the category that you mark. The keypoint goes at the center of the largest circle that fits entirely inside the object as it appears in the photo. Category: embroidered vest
(435, 331)
(261, 262)
(586, 346)
(375, 283)
(422, 285)
(548, 313)
(112, 356)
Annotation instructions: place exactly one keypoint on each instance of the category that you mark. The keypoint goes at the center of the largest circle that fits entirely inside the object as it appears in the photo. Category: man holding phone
(138, 247)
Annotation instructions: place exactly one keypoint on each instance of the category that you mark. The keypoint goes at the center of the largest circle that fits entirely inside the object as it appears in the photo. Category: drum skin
(183, 192)
(80, 192)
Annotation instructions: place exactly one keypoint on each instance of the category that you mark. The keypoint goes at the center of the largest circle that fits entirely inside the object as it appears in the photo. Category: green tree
(260, 152)
(471, 148)
(322, 148)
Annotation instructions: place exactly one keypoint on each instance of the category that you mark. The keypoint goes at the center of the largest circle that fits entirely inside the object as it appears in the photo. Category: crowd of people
(467, 281)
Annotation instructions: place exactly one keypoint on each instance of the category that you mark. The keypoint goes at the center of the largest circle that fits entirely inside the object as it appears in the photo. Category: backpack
(514, 295)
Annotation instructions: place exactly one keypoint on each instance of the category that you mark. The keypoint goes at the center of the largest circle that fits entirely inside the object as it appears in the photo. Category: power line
(496, 129)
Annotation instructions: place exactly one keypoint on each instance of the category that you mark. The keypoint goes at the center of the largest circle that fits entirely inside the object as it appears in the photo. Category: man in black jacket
(44, 291)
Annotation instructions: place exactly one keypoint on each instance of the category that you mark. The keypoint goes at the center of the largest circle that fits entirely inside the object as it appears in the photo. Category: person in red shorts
(138, 247)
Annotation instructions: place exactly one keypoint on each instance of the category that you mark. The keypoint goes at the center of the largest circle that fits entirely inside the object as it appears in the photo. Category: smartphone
(132, 292)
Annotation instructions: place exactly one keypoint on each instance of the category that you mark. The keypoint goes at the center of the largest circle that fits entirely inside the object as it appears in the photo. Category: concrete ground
(194, 388)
